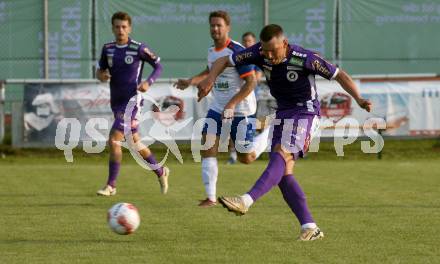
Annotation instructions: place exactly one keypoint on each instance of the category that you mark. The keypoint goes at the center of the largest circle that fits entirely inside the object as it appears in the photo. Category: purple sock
(113, 171)
(270, 177)
(153, 165)
(295, 198)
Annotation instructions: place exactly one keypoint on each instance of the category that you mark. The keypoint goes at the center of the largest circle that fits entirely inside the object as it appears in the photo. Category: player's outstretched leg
(261, 142)
(270, 177)
(296, 199)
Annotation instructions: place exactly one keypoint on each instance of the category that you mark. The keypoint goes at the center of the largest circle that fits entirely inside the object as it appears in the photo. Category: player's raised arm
(182, 84)
(350, 87)
(217, 68)
(329, 71)
(238, 59)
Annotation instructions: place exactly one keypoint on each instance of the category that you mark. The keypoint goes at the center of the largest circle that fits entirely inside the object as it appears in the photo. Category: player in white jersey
(234, 103)
(230, 82)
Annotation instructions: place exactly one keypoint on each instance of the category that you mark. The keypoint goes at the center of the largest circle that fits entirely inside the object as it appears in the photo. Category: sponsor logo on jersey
(320, 68)
(131, 52)
(133, 46)
(128, 59)
(292, 76)
(243, 56)
(297, 61)
(299, 54)
(150, 53)
(294, 68)
(221, 86)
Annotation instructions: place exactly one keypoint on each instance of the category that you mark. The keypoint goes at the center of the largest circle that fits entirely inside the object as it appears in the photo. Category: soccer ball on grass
(123, 218)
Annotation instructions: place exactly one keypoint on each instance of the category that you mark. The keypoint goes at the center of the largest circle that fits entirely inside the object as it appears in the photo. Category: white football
(123, 218)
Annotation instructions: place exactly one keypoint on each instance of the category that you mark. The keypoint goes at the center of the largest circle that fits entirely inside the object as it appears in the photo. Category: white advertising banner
(45, 105)
(409, 108)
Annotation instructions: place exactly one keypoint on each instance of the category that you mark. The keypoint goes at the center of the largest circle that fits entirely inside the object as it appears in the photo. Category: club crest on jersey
(292, 76)
(128, 59)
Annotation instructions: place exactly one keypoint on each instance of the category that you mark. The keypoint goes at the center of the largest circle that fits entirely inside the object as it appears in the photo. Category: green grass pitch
(371, 211)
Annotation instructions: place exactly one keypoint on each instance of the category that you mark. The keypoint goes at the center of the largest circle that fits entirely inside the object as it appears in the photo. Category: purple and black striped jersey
(292, 82)
(125, 64)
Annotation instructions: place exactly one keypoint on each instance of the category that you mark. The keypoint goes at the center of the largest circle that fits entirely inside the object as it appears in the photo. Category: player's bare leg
(210, 169)
(246, 158)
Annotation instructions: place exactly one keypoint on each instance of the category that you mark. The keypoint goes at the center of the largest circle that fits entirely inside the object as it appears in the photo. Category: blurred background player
(290, 73)
(247, 39)
(122, 63)
(233, 100)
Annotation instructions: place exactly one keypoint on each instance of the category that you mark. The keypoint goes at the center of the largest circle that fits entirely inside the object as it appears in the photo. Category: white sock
(233, 154)
(309, 225)
(261, 141)
(247, 199)
(209, 176)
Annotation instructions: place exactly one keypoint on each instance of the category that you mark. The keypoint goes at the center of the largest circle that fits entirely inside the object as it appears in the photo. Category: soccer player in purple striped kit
(290, 73)
(122, 62)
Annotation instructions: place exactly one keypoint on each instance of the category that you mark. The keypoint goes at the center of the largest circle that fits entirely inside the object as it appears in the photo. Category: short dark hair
(220, 14)
(270, 31)
(121, 16)
(249, 33)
